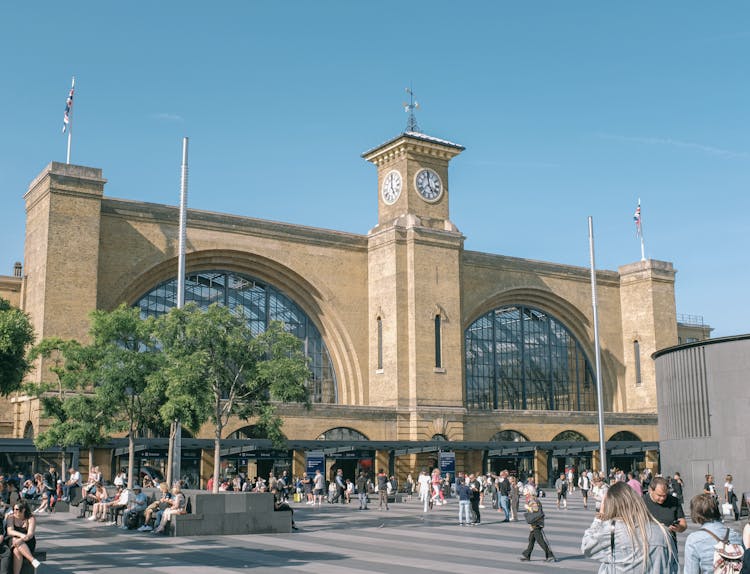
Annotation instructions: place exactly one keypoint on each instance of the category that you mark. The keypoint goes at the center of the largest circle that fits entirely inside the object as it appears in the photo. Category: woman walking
(625, 538)
(730, 497)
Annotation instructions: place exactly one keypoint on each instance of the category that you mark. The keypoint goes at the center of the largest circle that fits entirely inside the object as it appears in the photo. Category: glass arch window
(569, 436)
(342, 433)
(508, 436)
(624, 436)
(521, 358)
(259, 303)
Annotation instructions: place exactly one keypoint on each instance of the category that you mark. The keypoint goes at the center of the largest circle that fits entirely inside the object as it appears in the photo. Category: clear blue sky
(566, 109)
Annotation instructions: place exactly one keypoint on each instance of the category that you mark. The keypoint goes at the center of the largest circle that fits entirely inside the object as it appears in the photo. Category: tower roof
(452, 149)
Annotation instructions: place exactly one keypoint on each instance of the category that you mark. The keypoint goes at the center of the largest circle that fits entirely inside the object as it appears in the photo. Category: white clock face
(428, 185)
(391, 189)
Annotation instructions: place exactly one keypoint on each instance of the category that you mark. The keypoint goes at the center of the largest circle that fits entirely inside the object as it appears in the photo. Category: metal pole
(175, 435)
(597, 353)
(70, 121)
(183, 226)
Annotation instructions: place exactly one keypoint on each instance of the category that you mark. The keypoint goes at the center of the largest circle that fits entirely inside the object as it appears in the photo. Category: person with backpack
(715, 547)
(535, 519)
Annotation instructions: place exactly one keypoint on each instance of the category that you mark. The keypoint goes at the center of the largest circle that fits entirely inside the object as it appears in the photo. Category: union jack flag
(637, 219)
(68, 108)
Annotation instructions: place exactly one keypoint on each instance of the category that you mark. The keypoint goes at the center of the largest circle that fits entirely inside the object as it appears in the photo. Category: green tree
(125, 359)
(16, 334)
(76, 418)
(215, 368)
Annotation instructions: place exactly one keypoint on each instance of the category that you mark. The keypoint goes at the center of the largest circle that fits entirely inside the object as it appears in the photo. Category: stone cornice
(65, 179)
(568, 272)
(10, 283)
(412, 143)
(232, 224)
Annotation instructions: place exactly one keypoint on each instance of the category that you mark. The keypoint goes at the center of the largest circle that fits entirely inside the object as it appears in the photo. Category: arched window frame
(258, 302)
(518, 357)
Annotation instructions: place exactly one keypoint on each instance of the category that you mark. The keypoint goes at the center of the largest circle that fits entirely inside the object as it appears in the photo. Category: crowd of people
(637, 516)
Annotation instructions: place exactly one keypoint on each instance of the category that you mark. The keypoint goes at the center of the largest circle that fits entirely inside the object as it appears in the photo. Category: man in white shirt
(424, 488)
(70, 488)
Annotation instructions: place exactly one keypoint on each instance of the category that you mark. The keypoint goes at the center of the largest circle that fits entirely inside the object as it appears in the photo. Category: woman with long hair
(625, 538)
(20, 529)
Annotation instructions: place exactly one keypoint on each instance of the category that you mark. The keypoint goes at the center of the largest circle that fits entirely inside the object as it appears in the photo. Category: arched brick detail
(578, 323)
(302, 292)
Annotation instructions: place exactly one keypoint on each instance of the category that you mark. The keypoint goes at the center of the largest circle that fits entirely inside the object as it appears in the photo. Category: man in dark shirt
(475, 486)
(666, 509)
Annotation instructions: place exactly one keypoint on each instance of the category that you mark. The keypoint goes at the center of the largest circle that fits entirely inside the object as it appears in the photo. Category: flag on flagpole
(68, 108)
(637, 219)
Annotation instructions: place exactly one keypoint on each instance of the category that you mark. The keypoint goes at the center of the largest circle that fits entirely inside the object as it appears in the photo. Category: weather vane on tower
(411, 124)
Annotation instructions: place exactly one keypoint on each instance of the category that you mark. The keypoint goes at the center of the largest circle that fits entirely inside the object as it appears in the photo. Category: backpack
(727, 557)
(131, 520)
(535, 517)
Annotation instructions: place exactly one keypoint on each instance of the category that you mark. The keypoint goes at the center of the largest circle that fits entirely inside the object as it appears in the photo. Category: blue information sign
(316, 460)
(447, 463)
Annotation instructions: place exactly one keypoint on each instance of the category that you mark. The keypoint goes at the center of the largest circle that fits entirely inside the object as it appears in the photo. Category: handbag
(727, 509)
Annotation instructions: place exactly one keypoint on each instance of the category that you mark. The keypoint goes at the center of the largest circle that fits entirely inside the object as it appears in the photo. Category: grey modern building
(703, 394)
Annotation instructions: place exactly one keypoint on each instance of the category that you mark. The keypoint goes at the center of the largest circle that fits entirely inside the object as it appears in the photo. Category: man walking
(561, 486)
(424, 483)
(382, 483)
(340, 487)
(666, 509)
(584, 483)
(319, 486)
(362, 490)
(503, 494)
(475, 486)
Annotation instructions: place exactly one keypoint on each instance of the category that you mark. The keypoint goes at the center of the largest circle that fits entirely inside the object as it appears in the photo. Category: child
(535, 518)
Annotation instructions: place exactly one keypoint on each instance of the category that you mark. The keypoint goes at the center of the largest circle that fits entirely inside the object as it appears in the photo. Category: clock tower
(413, 181)
(414, 288)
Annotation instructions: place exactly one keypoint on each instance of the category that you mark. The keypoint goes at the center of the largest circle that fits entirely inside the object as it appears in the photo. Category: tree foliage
(104, 387)
(16, 335)
(215, 369)
(76, 418)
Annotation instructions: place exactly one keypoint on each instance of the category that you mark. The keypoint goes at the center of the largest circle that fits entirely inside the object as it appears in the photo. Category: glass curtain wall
(521, 358)
(259, 303)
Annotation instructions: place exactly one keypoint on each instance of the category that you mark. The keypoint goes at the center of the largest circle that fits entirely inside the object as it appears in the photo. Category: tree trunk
(63, 465)
(217, 459)
(131, 458)
(170, 452)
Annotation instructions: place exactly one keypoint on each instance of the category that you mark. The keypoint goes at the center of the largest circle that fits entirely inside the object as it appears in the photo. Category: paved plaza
(333, 539)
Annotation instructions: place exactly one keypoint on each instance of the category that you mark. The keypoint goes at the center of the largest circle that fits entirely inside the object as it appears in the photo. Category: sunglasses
(19, 509)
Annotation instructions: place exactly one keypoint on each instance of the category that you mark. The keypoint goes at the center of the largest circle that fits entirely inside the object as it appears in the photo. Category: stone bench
(230, 513)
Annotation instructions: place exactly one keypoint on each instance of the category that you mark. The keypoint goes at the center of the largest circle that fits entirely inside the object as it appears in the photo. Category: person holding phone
(666, 509)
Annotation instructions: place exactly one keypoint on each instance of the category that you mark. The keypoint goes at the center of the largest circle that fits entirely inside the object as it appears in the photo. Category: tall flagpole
(68, 119)
(597, 352)
(175, 435)
(639, 228)
(183, 225)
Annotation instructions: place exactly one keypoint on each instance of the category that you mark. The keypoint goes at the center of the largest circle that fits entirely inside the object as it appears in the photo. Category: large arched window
(260, 304)
(521, 358)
